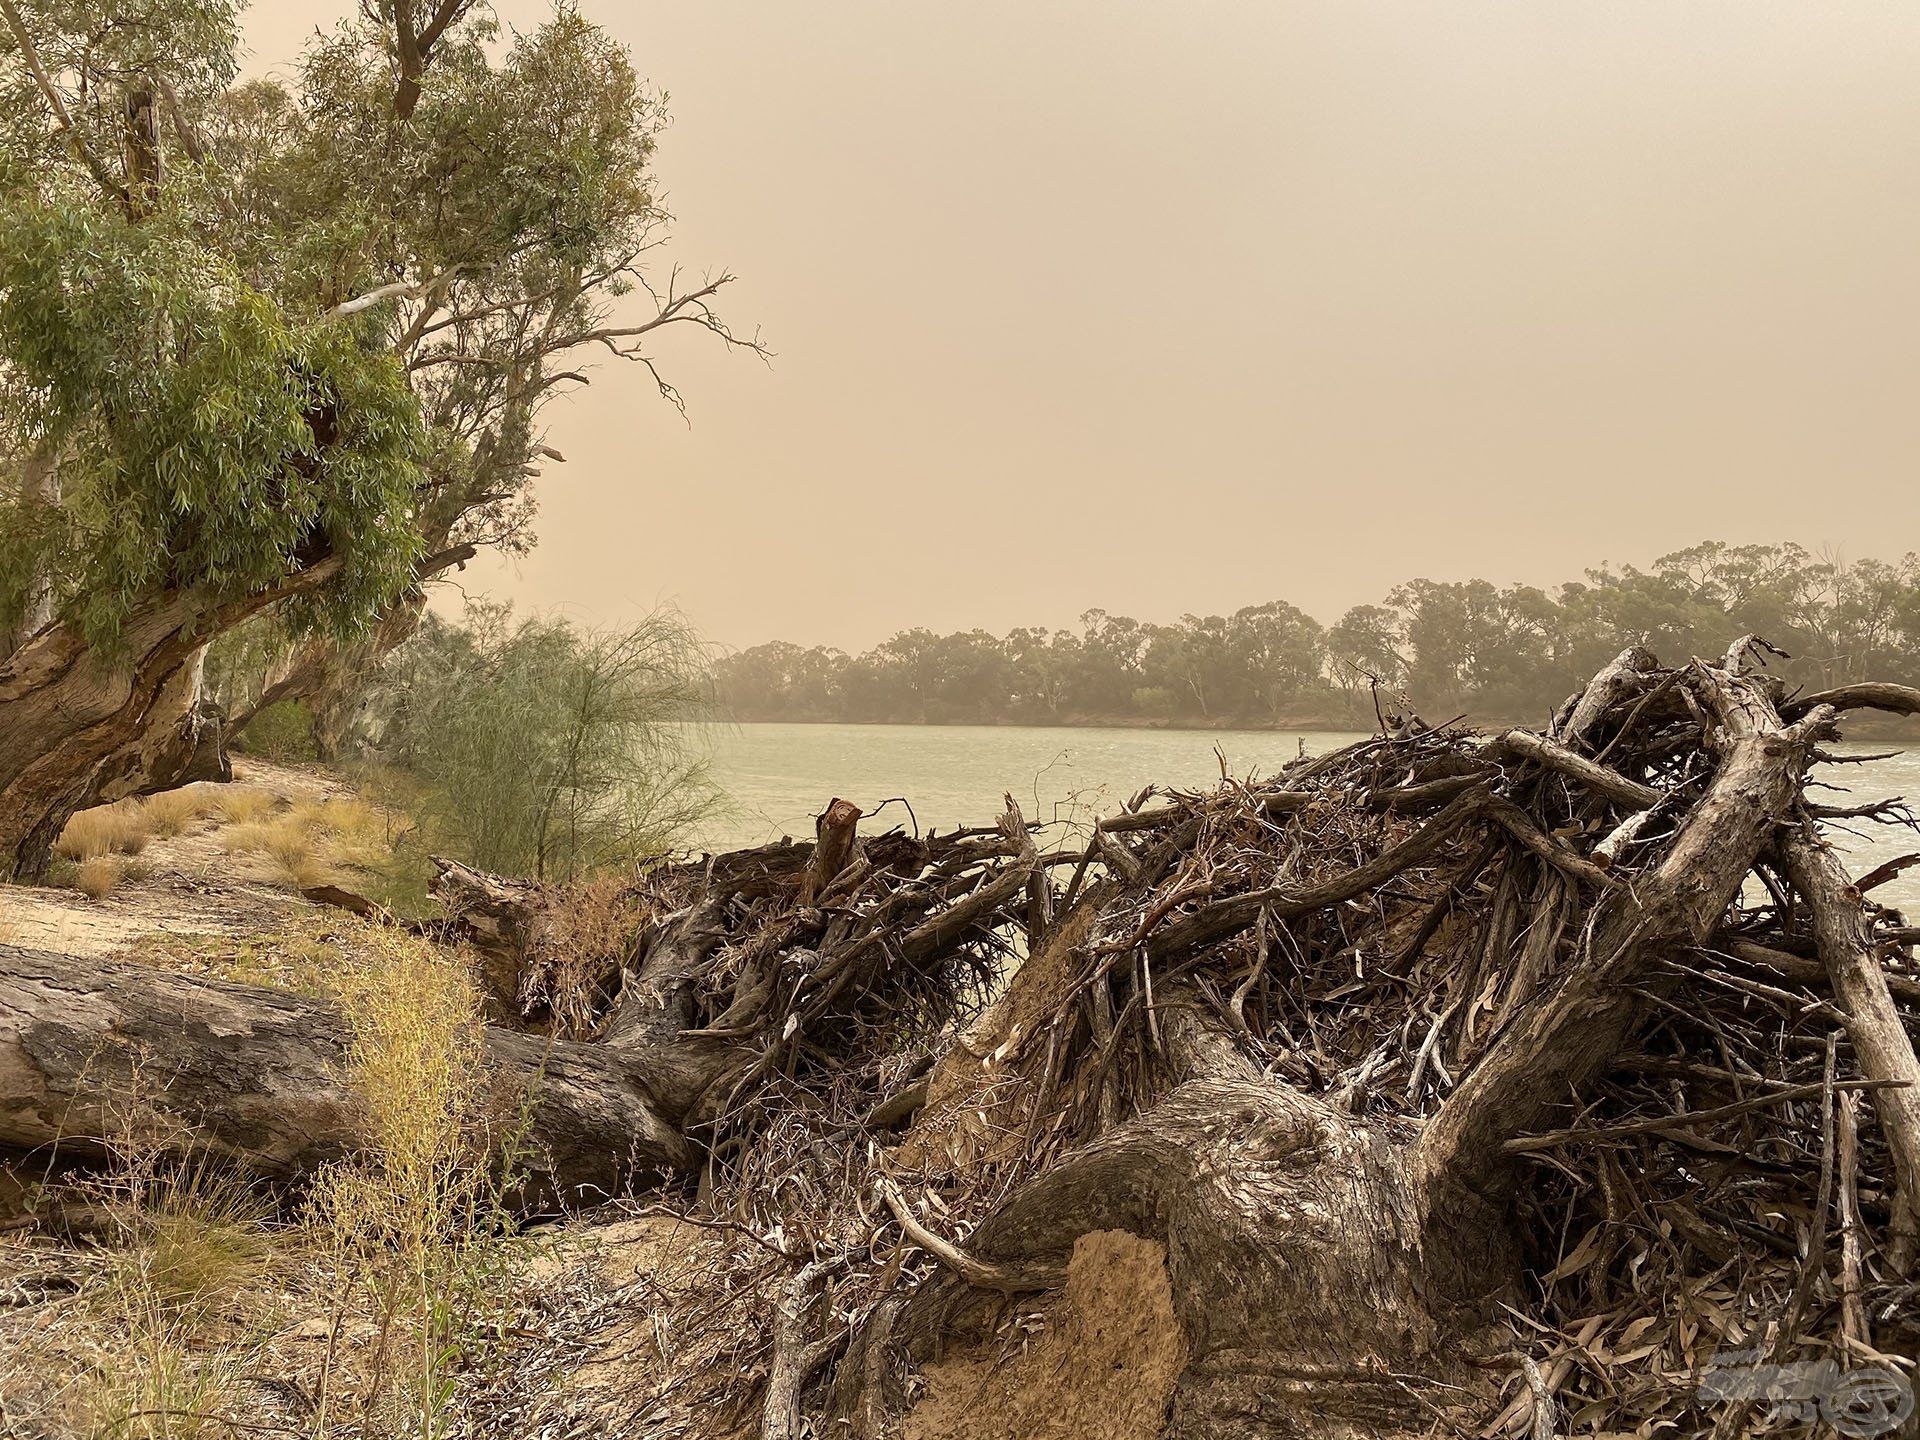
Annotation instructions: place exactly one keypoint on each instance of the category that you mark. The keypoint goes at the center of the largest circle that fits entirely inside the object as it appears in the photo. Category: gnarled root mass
(1465, 1082)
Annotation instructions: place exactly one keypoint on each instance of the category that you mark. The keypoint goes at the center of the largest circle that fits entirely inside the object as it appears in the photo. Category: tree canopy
(1452, 647)
(206, 437)
(252, 321)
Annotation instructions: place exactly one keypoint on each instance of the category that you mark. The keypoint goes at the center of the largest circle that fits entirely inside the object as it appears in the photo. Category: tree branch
(1850, 951)
(1870, 695)
(1564, 1036)
(115, 191)
(981, 1274)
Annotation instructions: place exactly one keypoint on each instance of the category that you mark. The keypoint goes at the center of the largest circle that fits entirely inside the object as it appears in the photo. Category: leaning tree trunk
(330, 677)
(79, 727)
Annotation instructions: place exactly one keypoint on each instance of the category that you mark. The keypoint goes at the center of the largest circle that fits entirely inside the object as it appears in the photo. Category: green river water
(777, 777)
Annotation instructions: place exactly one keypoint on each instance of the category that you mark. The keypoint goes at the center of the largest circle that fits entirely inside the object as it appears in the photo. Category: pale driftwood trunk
(1623, 676)
(1851, 954)
(94, 1052)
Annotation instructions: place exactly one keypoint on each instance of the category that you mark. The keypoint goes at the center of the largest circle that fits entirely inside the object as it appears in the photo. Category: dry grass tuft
(172, 812)
(241, 804)
(158, 1388)
(121, 828)
(190, 1250)
(192, 1244)
(294, 855)
(245, 838)
(165, 1325)
(311, 842)
(99, 876)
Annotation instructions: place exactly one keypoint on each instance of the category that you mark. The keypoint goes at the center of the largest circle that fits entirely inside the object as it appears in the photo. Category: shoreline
(1860, 725)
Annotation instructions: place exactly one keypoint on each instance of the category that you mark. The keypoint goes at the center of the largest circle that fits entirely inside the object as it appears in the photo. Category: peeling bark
(79, 729)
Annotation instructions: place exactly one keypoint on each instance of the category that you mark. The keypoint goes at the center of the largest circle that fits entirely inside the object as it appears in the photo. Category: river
(777, 777)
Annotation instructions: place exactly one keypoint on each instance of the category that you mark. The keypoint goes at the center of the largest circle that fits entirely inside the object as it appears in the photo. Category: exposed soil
(181, 885)
(1102, 1370)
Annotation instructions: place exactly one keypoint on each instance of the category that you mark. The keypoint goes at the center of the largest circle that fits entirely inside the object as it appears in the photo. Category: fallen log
(95, 1054)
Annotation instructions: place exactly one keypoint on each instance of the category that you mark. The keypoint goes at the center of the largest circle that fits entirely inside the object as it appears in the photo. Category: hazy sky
(1185, 306)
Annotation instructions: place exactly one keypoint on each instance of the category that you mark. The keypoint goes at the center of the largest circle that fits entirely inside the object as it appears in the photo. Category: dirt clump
(1103, 1369)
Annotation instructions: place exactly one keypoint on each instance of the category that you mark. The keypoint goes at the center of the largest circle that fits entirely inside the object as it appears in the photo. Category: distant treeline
(1455, 648)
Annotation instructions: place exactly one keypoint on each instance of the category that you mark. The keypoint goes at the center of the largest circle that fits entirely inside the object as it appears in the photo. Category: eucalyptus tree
(284, 345)
(183, 449)
(495, 231)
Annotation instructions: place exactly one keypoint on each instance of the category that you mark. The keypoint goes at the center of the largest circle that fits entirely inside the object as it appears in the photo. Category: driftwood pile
(1522, 1084)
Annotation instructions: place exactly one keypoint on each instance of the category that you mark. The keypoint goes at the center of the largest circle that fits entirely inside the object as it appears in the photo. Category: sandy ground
(190, 886)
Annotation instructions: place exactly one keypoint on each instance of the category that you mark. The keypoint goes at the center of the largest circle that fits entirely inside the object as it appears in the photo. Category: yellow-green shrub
(407, 1223)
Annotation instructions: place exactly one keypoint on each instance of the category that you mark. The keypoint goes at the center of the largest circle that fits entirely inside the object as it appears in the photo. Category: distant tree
(782, 681)
(1112, 648)
(1363, 649)
(1039, 673)
(1190, 660)
(1279, 654)
(1454, 647)
(1873, 624)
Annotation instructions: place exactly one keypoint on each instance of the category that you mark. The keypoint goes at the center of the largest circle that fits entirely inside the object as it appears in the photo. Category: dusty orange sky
(1180, 307)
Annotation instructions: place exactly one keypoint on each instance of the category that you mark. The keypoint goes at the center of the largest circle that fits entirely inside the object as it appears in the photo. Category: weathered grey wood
(835, 832)
(1623, 676)
(254, 1077)
(1849, 950)
(1566, 1035)
(1597, 778)
(1869, 695)
(497, 916)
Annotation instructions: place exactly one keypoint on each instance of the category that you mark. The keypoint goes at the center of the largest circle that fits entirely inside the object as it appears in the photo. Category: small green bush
(545, 749)
(282, 732)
